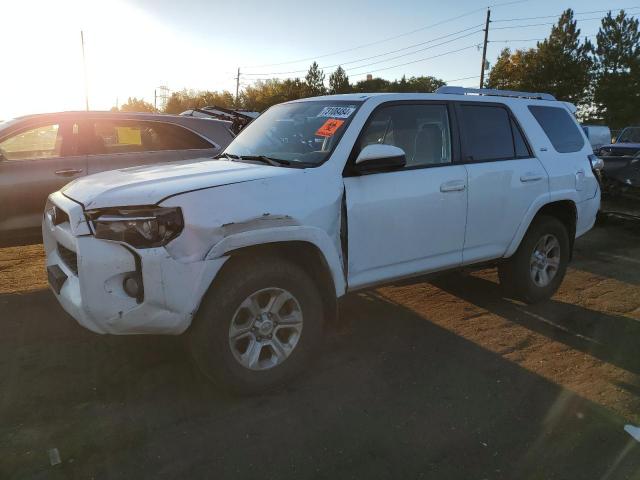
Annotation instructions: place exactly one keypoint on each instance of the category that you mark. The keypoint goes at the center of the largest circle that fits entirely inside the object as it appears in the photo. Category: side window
(487, 133)
(522, 151)
(126, 136)
(40, 142)
(560, 128)
(422, 131)
(167, 136)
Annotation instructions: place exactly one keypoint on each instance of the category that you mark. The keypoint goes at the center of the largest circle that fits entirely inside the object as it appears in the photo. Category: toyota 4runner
(248, 253)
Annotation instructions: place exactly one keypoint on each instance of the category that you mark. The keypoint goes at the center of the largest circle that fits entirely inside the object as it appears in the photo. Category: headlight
(140, 227)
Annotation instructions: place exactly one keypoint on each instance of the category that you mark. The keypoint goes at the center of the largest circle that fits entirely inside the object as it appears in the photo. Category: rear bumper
(93, 292)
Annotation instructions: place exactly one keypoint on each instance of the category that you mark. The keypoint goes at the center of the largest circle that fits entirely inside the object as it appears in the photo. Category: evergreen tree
(617, 66)
(315, 81)
(561, 65)
(339, 81)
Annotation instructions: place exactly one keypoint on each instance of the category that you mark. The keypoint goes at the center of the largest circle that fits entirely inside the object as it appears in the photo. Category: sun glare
(50, 55)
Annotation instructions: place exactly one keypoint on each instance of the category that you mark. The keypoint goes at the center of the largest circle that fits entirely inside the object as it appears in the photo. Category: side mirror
(378, 157)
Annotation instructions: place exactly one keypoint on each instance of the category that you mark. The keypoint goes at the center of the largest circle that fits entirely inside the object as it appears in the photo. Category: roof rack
(494, 93)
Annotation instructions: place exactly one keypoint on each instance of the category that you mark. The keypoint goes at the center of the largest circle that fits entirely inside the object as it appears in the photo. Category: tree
(511, 70)
(372, 86)
(185, 99)
(561, 65)
(315, 81)
(423, 84)
(134, 104)
(263, 94)
(339, 81)
(617, 67)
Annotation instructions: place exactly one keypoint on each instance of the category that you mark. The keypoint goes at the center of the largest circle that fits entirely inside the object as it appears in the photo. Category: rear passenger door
(113, 143)
(505, 178)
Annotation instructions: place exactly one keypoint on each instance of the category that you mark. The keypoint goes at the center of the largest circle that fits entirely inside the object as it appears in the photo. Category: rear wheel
(258, 325)
(536, 270)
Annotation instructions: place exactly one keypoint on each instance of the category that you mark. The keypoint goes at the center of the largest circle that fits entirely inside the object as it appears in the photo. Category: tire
(521, 276)
(232, 300)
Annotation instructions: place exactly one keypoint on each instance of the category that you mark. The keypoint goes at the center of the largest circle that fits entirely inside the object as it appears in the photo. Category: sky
(134, 46)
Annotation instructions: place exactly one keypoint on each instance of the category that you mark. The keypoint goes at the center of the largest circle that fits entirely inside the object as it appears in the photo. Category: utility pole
(238, 88)
(86, 80)
(484, 48)
(155, 99)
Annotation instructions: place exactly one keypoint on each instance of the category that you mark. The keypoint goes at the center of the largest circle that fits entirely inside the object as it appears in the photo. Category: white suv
(248, 253)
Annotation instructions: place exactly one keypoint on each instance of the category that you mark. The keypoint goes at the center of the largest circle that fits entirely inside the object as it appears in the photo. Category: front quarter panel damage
(302, 206)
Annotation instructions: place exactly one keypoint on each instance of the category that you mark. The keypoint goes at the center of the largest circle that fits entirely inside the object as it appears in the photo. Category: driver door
(411, 220)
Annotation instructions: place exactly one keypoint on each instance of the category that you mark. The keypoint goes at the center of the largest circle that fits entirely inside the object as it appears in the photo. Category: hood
(148, 185)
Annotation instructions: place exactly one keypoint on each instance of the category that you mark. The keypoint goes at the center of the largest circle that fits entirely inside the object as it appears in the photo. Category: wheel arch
(303, 253)
(565, 210)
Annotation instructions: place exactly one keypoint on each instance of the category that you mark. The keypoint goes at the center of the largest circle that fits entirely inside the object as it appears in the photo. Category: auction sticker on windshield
(329, 127)
(337, 112)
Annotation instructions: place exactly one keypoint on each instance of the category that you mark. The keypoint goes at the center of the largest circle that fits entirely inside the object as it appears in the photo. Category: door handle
(453, 186)
(530, 177)
(68, 172)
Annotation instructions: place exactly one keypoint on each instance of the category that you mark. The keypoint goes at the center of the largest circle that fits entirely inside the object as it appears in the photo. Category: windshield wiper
(275, 162)
(230, 156)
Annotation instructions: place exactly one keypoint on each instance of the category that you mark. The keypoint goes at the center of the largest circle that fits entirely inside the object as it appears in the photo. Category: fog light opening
(132, 285)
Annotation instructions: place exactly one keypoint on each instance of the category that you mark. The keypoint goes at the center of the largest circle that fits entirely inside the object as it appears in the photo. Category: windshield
(629, 135)
(305, 132)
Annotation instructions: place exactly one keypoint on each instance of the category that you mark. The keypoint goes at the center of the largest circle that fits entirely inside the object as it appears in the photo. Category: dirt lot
(435, 380)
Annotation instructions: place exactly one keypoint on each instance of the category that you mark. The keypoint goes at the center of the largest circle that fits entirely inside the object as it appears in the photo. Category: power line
(518, 40)
(461, 78)
(382, 54)
(541, 24)
(377, 42)
(418, 60)
(557, 16)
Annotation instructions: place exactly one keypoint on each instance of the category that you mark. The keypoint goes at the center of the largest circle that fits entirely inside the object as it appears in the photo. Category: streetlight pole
(84, 66)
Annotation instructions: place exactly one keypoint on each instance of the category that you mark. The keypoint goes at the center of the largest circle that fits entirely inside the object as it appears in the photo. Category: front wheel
(536, 270)
(258, 325)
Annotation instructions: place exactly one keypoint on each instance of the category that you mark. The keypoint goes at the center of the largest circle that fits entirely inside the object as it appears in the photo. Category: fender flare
(534, 208)
(292, 233)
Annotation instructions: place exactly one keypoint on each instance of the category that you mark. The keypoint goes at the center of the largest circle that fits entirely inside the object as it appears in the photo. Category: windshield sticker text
(337, 112)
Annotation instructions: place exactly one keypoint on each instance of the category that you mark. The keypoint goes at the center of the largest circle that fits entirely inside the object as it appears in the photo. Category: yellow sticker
(129, 136)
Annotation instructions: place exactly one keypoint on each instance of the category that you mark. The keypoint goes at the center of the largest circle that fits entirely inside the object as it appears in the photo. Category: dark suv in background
(41, 153)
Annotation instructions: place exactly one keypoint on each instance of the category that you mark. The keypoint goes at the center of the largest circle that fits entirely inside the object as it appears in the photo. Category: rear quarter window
(560, 128)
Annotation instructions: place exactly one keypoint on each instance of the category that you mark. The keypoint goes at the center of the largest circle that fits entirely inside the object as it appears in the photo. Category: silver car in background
(41, 153)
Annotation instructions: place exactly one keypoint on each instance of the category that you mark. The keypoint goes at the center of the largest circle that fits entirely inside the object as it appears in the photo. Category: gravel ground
(433, 380)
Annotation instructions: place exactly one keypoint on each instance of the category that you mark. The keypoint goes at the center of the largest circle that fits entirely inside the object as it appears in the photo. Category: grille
(69, 258)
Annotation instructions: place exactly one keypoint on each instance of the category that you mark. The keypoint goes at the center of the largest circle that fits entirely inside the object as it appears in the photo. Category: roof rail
(494, 93)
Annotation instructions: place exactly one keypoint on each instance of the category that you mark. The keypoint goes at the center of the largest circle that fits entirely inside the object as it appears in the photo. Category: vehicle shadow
(611, 252)
(392, 396)
(611, 338)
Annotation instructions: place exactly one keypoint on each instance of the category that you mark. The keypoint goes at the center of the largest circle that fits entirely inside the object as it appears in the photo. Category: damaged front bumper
(93, 291)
